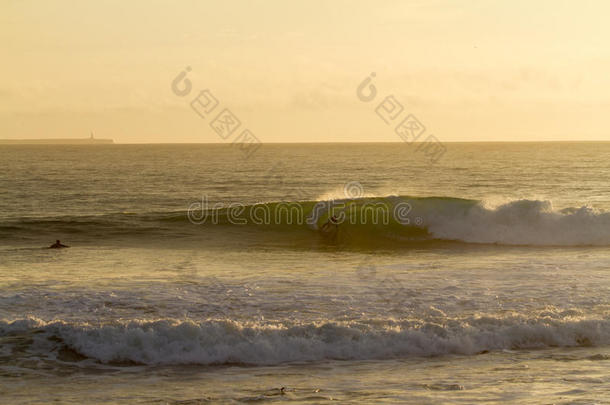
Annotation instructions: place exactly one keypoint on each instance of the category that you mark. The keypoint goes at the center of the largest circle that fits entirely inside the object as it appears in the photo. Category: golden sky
(468, 70)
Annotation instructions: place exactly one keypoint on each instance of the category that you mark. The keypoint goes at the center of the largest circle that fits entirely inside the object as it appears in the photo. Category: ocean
(196, 274)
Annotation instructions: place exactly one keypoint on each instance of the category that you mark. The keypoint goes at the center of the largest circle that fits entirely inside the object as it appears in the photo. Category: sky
(289, 70)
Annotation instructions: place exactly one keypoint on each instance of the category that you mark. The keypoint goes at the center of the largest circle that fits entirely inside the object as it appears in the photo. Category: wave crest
(366, 221)
(524, 222)
(229, 342)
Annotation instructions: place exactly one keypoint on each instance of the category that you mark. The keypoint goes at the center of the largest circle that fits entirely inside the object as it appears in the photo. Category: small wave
(214, 342)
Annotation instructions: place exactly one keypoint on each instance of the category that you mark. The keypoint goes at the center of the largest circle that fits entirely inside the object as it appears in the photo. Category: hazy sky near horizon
(469, 70)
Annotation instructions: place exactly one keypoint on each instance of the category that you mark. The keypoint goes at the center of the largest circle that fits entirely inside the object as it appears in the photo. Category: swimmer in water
(58, 245)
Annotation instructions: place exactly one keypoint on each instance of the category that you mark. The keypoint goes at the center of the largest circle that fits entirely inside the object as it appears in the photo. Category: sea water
(196, 274)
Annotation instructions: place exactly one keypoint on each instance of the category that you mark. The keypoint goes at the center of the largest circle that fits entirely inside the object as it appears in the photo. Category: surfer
(58, 245)
(331, 224)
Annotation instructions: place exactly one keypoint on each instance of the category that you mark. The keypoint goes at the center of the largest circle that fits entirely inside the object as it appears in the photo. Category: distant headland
(58, 141)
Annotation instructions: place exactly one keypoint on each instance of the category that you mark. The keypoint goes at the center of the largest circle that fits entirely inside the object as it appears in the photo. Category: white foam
(222, 342)
(522, 222)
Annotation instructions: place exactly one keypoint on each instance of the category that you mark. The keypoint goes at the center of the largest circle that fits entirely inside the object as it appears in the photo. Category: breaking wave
(363, 221)
(169, 342)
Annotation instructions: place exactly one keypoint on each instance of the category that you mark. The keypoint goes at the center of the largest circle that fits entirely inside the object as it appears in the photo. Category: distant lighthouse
(59, 141)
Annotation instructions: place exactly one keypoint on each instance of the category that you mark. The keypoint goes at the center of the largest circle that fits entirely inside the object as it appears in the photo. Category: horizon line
(295, 143)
